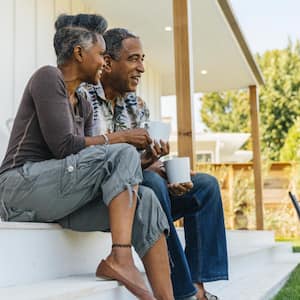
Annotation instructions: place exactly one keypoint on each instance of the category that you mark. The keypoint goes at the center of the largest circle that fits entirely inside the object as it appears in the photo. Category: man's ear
(108, 63)
(78, 55)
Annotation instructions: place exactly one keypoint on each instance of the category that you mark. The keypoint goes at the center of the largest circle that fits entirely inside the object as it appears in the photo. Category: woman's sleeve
(53, 112)
(89, 123)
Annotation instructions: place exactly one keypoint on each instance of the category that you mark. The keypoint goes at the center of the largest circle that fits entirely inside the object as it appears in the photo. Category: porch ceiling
(218, 44)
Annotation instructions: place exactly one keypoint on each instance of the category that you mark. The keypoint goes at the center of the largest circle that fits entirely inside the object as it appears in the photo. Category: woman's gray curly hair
(78, 30)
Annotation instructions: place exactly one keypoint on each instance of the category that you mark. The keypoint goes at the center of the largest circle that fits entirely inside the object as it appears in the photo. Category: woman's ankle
(121, 256)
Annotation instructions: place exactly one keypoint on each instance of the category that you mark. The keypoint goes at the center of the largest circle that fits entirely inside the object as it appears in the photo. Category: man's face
(126, 71)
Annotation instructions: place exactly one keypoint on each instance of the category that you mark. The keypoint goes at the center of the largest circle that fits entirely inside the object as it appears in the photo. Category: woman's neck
(71, 78)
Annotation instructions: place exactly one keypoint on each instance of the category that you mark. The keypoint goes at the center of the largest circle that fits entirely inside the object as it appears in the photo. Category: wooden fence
(237, 188)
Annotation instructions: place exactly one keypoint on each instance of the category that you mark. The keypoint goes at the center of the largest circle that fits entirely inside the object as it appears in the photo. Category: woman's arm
(137, 137)
(53, 111)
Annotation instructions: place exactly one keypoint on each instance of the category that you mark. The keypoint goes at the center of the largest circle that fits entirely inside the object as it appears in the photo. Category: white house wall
(27, 34)
(150, 91)
(27, 31)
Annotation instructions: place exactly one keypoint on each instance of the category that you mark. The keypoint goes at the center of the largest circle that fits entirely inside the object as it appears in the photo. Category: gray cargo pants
(76, 191)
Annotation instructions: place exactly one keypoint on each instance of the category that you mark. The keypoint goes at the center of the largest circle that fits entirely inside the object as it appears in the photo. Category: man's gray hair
(113, 40)
(80, 30)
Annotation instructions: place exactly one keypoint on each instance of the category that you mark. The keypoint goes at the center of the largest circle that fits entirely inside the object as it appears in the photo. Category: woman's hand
(138, 137)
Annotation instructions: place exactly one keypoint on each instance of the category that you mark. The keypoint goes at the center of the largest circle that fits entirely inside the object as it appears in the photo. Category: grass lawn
(296, 247)
(291, 290)
(295, 242)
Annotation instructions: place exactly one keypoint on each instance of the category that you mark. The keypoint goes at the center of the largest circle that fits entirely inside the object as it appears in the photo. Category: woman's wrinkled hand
(138, 137)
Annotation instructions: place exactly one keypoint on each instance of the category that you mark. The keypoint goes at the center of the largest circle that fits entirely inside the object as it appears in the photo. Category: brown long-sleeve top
(46, 125)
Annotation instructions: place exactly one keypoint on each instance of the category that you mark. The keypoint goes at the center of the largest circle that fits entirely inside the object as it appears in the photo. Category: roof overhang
(219, 46)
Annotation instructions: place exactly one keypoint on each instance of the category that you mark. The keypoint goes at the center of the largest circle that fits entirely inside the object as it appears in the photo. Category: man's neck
(110, 92)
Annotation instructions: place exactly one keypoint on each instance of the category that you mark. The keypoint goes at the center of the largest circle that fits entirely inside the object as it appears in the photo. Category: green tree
(291, 148)
(226, 112)
(279, 101)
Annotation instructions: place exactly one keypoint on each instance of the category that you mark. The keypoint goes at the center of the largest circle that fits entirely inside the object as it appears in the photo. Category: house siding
(28, 33)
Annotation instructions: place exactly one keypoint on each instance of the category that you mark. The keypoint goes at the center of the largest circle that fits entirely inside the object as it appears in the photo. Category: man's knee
(153, 180)
(203, 180)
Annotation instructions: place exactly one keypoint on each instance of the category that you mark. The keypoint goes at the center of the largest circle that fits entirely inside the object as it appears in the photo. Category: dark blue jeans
(205, 255)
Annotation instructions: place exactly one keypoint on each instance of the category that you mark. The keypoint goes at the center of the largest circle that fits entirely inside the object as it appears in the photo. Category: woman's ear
(108, 61)
(78, 55)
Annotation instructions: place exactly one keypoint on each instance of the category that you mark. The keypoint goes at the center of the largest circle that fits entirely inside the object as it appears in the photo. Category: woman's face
(93, 61)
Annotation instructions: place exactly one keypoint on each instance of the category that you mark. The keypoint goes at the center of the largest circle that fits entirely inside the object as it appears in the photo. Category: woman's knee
(128, 153)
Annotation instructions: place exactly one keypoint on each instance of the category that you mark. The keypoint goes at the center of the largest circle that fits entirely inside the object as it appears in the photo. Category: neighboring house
(218, 147)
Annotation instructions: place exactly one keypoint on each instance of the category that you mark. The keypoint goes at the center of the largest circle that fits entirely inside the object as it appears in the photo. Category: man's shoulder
(134, 99)
(91, 91)
(140, 101)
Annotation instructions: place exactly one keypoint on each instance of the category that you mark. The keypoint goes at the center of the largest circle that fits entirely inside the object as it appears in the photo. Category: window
(204, 156)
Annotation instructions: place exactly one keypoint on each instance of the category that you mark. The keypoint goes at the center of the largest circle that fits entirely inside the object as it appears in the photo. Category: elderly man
(116, 107)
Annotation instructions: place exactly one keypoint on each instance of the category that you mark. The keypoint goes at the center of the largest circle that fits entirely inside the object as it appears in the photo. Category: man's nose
(140, 67)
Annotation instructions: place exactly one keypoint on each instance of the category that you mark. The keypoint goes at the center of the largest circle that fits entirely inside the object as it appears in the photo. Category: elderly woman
(54, 171)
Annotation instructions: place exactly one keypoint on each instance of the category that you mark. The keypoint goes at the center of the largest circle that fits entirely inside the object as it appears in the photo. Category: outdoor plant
(243, 199)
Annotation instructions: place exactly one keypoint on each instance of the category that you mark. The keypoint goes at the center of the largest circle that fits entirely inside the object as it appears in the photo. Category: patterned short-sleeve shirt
(128, 112)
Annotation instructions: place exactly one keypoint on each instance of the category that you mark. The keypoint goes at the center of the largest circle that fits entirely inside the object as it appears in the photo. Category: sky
(266, 25)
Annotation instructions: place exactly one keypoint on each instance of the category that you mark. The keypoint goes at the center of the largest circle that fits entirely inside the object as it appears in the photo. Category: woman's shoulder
(47, 72)
(48, 69)
(47, 77)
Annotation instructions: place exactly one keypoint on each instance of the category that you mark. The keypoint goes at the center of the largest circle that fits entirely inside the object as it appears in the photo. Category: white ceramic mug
(158, 130)
(178, 169)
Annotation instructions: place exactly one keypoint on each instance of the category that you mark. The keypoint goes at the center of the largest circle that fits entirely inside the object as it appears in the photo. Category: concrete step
(261, 283)
(39, 261)
(33, 252)
(242, 239)
(73, 287)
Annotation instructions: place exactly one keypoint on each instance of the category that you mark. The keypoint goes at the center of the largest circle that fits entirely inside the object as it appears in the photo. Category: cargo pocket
(68, 175)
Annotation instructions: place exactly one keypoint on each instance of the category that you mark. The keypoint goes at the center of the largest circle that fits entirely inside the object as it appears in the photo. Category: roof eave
(233, 23)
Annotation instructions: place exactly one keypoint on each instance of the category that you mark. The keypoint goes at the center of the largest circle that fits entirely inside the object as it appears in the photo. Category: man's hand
(153, 153)
(150, 155)
(179, 189)
(158, 167)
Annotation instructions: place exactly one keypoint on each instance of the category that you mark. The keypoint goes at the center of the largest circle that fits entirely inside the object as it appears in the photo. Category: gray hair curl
(79, 30)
